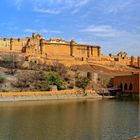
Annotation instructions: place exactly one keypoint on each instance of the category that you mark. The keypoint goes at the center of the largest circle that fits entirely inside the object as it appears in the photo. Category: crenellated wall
(36, 46)
(5, 44)
(56, 48)
(12, 44)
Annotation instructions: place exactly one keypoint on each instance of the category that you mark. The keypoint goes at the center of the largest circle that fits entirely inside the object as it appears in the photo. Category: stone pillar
(41, 46)
(99, 51)
(95, 77)
(138, 61)
(91, 51)
(132, 61)
(71, 48)
(11, 44)
(88, 51)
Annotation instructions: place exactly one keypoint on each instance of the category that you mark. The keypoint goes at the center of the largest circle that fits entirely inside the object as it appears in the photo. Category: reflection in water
(72, 120)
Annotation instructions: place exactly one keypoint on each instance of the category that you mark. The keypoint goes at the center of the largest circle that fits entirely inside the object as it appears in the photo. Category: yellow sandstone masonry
(8, 94)
(39, 50)
(37, 46)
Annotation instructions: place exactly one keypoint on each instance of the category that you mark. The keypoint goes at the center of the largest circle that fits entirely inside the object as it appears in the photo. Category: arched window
(121, 86)
(125, 86)
(130, 86)
(89, 75)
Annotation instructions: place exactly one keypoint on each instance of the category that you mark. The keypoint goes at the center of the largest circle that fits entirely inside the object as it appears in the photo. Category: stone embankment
(49, 95)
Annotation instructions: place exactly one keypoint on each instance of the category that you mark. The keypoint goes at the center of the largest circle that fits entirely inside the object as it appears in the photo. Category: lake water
(69, 120)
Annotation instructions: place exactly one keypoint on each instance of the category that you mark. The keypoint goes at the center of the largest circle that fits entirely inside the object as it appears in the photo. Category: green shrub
(82, 82)
(55, 79)
(2, 79)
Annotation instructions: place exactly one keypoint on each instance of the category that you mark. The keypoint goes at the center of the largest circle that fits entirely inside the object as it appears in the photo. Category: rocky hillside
(19, 75)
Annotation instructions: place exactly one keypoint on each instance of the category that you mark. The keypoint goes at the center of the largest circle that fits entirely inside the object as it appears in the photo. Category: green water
(72, 120)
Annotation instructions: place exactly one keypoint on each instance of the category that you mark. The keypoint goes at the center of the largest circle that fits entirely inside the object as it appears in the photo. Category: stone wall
(40, 50)
(45, 92)
(127, 83)
(36, 46)
(56, 50)
(50, 95)
(12, 44)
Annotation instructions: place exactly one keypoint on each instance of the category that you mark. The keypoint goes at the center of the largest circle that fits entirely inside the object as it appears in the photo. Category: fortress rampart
(56, 47)
(38, 49)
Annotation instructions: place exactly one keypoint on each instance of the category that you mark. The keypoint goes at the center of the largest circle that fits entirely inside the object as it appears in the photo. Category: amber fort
(39, 50)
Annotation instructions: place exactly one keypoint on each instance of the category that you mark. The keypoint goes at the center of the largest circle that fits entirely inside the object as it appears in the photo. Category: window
(121, 86)
(89, 75)
(130, 86)
(125, 86)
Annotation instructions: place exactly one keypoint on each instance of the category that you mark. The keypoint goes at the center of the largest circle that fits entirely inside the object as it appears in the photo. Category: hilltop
(38, 64)
(21, 75)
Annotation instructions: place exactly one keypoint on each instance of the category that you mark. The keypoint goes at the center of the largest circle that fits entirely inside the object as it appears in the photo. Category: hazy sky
(113, 24)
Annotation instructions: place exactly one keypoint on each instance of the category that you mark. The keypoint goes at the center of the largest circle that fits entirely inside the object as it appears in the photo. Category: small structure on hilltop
(122, 58)
(122, 55)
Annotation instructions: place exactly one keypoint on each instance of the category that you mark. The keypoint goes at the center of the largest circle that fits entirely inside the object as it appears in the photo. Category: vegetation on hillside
(11, 63)
(29, 76)
(82, 82)
(2, 79)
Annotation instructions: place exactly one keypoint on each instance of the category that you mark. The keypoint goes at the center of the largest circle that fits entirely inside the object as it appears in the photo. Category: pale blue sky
(113, 24)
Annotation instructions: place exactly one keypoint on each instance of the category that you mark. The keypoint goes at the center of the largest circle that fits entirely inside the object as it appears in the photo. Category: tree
(40, 83)
(82, 82)
(55, 79)
(11, 63)
(2, 79)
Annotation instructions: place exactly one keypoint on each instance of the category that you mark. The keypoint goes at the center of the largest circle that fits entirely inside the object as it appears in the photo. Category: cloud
(101, 30)
(28, 30)
(107, 31)
(81, 3)
(18, 3)
(47, 11)
(52, 6)
(114, 7)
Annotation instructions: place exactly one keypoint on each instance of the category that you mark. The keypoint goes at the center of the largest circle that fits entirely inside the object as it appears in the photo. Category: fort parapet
(37, 49)
(52, 48)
